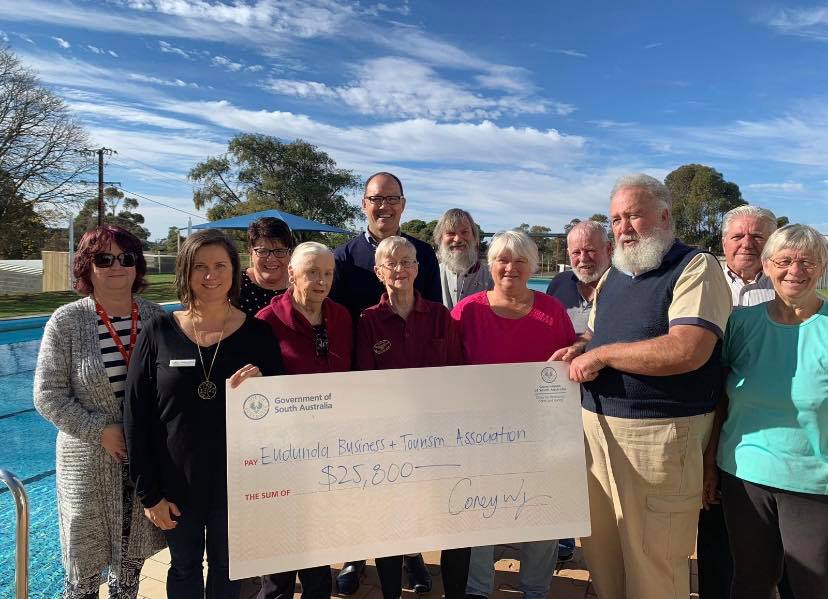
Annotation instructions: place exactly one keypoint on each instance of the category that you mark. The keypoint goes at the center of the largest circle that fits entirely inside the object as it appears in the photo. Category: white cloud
(787, 187)
(62, 42)
(112, 53)
(3, 37)
(95, 49)
(811, 22)
(653, 45)
(573, 53)
(168, 48)
(403, 9)
(160, 81)
(254, 68)
(221, 61)
(24, 37)
(610, 124)
(402, 88)
(413, 140)
(105, 111)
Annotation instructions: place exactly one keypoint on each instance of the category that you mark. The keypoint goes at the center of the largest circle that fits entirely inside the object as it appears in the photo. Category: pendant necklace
(207, 388)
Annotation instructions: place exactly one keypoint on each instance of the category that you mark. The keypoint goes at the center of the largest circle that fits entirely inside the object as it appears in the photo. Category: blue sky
(517, 111)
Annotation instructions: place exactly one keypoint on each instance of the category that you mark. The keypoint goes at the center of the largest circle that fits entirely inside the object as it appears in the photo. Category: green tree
(114, 199)
(260, 172)
(22, 231)
(782, 221)
(570, 224)
(420, 229)
(701, 197)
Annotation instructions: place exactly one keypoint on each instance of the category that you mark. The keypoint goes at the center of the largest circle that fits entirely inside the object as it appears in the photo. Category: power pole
(100, 152)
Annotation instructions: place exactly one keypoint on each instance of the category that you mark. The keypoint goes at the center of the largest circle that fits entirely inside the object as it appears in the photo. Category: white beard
(644, 256)
(457, 262)
(591, 278)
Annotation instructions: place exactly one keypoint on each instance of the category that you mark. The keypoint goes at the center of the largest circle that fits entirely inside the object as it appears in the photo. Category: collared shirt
(297, 337)
(458, 286)
(427, 337)
(758, 291)
(565, 288)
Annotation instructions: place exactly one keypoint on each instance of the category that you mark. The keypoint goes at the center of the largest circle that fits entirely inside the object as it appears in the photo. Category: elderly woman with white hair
(404, 330)
(315, 335)
(512, 323)
(773, 448)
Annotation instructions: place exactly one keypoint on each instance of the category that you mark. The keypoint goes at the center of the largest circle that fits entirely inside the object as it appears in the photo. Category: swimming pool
(27, 448)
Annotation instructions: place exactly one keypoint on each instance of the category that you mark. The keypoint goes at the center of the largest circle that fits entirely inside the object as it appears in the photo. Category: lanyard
(133, 333)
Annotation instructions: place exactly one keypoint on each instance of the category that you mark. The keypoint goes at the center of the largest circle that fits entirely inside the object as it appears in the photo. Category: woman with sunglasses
(773, 447)
(271, 242)
(404, 330)
(79, 387)
(315, 335)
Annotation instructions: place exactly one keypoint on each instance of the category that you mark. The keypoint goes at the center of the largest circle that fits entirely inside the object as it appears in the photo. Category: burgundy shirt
(428, 337)
(297, 338)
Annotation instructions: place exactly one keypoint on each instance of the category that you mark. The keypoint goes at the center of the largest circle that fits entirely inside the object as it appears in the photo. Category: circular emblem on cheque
(549, 374)
(256, 406)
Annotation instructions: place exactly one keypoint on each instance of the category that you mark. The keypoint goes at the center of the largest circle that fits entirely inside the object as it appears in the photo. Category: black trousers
(316, 584)
(713, 552)
(772, 530)
(454, 571)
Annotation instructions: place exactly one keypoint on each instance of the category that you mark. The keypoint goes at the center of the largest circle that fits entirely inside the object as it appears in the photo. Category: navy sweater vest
(355, 285)
(634, 309)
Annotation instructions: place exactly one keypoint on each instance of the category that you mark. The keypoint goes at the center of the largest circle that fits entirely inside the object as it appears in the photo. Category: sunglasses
(320, 340)
(106, 260)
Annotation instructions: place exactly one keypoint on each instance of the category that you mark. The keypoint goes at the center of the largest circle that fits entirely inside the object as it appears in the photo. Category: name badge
(182, 363)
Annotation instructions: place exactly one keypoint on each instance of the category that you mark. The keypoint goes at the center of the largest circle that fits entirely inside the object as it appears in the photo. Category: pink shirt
(492, 339)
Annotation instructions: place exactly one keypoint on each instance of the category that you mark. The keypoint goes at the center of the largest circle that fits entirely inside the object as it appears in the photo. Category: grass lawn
(161, 289)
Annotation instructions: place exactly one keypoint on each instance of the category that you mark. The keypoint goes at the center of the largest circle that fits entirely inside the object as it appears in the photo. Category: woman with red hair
(79, 387)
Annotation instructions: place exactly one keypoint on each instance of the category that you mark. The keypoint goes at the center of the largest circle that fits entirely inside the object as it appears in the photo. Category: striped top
(113, 360)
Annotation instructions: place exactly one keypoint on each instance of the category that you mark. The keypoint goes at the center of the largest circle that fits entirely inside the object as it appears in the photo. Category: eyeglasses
(105, 260)
(266, 253)
(388, 200)
(406, 264)
(320, 340)
(788, 262)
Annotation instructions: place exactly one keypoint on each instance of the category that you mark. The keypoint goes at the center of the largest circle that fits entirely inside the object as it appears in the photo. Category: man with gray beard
(590, 253)
(649, 364)
(458, 249)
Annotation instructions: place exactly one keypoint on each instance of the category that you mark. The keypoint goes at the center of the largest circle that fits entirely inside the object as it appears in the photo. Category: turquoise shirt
(776, 432)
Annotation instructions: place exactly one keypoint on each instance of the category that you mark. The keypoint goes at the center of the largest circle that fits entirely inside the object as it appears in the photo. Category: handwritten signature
(461, 499)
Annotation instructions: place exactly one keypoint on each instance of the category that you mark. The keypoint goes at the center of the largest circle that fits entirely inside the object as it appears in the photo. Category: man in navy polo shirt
(357, 287)
(649, 364)
(590, 253)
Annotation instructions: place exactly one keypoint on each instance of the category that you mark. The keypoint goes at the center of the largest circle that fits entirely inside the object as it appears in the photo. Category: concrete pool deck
(571, 582)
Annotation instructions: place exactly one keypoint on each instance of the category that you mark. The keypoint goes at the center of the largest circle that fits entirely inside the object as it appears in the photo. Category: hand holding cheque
(331, 467)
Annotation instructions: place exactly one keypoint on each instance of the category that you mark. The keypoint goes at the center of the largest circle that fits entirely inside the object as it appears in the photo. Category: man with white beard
(458, 250)
(649, 364)
(590, 253)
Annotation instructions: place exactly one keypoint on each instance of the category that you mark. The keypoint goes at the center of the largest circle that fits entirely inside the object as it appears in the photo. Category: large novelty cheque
(324, 468)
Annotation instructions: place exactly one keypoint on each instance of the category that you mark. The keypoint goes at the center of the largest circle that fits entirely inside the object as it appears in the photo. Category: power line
(177, 179)
(143, 197)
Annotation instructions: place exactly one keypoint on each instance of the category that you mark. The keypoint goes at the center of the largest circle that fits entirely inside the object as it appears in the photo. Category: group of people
(704, 402)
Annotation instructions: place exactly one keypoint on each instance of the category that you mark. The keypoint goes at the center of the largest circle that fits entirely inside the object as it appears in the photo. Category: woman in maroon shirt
(315, 335)
(406, 331)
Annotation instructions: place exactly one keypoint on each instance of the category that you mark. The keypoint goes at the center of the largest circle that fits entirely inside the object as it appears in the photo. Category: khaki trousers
(644, 478)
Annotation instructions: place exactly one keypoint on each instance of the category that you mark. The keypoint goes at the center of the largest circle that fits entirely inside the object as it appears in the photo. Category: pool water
(27, 448)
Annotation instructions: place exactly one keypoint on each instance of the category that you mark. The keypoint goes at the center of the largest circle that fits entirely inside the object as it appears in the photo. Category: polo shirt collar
(734, 277)
(372, 241)
(292, 318)
(386, 311)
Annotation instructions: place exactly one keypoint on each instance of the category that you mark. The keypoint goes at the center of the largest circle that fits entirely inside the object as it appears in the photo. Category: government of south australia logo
(256, 407)
(549, 374)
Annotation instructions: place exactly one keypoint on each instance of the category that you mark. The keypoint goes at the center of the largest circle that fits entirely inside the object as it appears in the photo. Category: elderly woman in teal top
(773, 448)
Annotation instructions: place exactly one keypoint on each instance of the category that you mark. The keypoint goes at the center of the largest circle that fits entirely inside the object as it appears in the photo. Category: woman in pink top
(512, 323)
